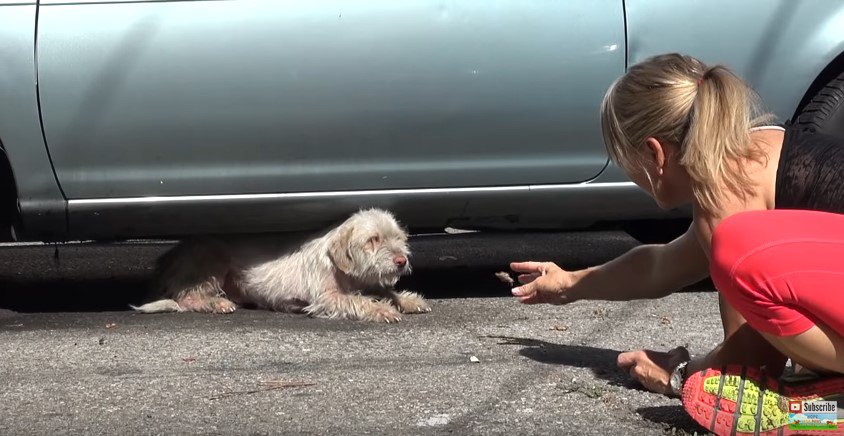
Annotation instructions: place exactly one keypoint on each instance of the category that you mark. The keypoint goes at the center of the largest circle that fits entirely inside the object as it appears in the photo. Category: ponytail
(718, 136)
(706, 111)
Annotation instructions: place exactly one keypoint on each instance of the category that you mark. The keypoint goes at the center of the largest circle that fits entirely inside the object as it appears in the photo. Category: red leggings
(783, 270)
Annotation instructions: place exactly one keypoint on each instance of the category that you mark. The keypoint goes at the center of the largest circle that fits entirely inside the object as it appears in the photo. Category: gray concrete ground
(74, 361)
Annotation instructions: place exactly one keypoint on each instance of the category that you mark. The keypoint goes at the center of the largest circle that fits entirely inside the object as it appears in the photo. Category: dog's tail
(160, 306)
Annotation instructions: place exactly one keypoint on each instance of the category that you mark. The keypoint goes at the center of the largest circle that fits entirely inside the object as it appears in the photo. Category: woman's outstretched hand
(542, 282)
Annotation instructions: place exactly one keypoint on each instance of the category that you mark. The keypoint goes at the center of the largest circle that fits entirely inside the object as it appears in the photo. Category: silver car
(134, 119)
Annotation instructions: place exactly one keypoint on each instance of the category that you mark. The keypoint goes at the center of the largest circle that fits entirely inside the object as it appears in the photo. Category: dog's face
(371, 247)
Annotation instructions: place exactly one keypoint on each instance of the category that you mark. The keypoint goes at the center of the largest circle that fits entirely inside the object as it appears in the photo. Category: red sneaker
(739, 400)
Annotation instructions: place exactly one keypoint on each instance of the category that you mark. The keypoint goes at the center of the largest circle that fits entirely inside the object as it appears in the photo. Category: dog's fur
(347, 272)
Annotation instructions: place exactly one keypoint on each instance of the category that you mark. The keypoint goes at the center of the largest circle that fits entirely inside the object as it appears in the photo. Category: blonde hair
(706, 111)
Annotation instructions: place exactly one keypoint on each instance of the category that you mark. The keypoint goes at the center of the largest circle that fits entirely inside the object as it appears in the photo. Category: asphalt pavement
(76, 361)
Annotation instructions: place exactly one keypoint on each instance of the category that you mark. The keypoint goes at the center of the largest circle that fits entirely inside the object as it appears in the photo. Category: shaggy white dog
(346, 272)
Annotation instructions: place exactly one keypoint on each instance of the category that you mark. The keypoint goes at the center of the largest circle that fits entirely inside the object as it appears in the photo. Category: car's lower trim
(357, 193)
(561, 206)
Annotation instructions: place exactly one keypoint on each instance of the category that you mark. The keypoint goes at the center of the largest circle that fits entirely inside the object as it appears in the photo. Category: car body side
(78, 176)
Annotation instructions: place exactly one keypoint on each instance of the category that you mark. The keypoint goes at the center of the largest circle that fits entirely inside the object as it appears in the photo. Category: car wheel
(825, 111)
(8, 199)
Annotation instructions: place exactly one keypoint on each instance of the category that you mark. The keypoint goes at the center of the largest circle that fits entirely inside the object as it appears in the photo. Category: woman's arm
(648, 271)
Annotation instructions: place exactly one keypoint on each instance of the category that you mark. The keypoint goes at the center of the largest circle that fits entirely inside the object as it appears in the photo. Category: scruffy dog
(346, 272)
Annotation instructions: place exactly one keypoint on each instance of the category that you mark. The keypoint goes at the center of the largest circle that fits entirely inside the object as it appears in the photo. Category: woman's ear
(657, 153)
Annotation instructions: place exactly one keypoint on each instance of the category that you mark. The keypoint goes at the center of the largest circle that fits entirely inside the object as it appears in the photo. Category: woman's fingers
(540, 282)
(527, 267)
(526, 294)
(531, 299)
(627, 360)
(524, 290)
(649, 368)
(520, 291)
(527, 278)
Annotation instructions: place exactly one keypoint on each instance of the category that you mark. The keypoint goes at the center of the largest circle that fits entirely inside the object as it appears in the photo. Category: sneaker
(739, 400)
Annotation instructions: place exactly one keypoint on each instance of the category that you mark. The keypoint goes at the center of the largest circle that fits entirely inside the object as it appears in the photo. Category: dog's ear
(339, 248)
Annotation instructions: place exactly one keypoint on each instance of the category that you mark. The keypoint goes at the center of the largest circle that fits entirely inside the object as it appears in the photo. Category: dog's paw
(382, 313)
(203, 304)
(411, 302)
(222, 305)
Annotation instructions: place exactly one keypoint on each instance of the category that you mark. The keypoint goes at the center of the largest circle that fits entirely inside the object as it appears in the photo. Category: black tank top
(811, 172)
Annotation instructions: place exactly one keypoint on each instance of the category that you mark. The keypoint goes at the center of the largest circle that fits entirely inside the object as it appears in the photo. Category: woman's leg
(743, 345)
(783, 271)
(819, 349)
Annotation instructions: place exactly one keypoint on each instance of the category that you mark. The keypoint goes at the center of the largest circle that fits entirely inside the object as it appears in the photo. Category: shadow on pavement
(600, 360)
(72, 295)
(92, 277)
(673, 416)
(115, 294)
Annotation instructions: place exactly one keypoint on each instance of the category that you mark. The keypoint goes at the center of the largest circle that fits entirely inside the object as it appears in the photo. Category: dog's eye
(375, 239)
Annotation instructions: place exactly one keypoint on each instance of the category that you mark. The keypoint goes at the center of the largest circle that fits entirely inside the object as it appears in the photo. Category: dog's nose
(400, 260)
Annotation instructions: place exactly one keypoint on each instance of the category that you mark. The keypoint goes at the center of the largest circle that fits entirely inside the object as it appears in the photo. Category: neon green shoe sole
(739, 400)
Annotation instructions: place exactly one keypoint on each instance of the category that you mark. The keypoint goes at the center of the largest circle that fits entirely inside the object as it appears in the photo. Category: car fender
(779, 47)
(42, 205)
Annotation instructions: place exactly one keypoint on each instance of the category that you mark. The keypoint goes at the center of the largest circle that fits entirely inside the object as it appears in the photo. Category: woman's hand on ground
(542, 282)
(653, 368)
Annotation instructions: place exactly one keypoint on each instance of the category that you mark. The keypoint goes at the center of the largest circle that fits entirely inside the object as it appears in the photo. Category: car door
(175, 98)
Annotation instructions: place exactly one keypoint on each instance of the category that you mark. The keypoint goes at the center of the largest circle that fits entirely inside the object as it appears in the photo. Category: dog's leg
(410, 302)
(353, 306)
(192, 275)
(202, 302)
(189, 303)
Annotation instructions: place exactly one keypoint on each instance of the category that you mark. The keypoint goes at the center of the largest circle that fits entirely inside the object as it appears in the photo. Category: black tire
(825, 111)
(8, 199)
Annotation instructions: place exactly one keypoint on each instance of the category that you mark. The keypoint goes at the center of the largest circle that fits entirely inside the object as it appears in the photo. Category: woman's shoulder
(705, 222)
